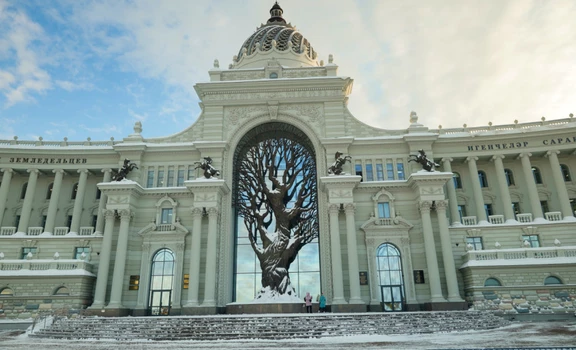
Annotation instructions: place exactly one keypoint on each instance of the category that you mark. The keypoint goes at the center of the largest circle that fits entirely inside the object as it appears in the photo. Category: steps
(280, 326)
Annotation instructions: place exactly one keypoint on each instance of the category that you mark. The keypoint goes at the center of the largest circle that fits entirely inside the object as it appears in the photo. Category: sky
(92, 68)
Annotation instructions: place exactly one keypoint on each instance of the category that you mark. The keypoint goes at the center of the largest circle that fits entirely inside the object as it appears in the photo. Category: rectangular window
(150, 181)
(379, 172)
(544, 205)
(191, 173)
(180, 181)
(78, 253)
(186, 281)
(369, 172)
(462, 211)
(476, 242)
(134, 282)
(17, 221)
(384, 210)
(400, 170)
(43, 221)
(516, 208)
(26, 250)
(488, 209)
(358, 169)
(573, 205)
(160, 181)
(389, 171)
(166, 216)
(532, 239)
(170, 180)
(94, 220)
(69, 221)
(98, 193)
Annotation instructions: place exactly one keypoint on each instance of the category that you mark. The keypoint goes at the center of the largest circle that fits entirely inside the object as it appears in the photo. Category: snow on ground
(545, 335)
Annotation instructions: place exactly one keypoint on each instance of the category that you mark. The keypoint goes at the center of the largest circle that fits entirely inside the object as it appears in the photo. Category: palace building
(492, 228)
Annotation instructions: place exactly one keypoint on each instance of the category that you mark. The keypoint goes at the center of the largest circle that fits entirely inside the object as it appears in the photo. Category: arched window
(62, 291)
(537, 175)
(565, 173)
(389, 267)
(457, 180)
(74, 191)
(49, 192)
(6, 292)
(23, 192)
(482, 178)
(161, 282)
(552, 280)
(492, 282)
(509, 177)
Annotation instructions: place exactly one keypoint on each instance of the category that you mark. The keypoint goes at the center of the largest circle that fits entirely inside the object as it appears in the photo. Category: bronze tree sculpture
(277, 201)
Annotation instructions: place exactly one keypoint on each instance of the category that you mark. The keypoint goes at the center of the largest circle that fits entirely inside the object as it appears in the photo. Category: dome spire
(276, 14)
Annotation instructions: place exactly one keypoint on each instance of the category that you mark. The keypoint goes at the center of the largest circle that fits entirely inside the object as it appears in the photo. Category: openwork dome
(279, 40)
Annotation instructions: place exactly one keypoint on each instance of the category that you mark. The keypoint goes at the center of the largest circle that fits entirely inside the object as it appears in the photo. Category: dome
(279, 40)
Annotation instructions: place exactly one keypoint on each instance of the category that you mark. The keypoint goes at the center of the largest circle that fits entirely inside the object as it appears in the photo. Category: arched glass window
(74, 191)
(457, 180)
(492, 282)
(565, 172)
(62, 291)
(6, 292)
(161, 282)
(23, 192)
(552, 280)
(537, 175)
(389, 265)
(509, 177)
(482, 178)
(49, 191)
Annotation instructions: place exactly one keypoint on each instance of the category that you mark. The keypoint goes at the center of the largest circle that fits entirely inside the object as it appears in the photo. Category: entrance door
(161, 283)
(160, 302)
(392, 299)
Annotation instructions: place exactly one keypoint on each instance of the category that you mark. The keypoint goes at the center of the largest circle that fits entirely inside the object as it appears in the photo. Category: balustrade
(42, 266)
(520, 253)
(35, 231)
(7, 231)
(86, 231)
(553, 216)
(469, 220)
(496, 219)
(524, 217)
(60, 231)
(384, 221)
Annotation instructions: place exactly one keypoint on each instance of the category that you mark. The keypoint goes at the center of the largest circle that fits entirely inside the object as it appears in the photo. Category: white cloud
(71, 86)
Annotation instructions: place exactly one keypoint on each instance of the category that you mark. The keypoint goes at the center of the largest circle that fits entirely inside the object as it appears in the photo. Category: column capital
(441, 205)
(349, 208)
(109, 214)
(551, 153)
(212, 212)
(196, 212)
(334, 209)
(471, 159)
(525, 155)
(59, 171)
(125, 214)
(83, 171)
(33, 170)
(107, 170)
(497, 156)
(425, 206)
(7, 170)
(447, 159)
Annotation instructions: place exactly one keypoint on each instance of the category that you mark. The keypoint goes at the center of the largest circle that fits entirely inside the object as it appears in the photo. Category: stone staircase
(281, 326)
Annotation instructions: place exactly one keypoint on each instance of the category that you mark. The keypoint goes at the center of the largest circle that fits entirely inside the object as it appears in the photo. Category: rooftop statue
(423, 160)
(339, 161)
(206, 165)
(124, 170)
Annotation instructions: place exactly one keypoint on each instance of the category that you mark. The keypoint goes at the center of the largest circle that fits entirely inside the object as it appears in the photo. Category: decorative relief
(205, 197)
(117, 200)
(340, 193)
(431, 190)
(271, 95)
(238, 75)
(146, 247)
(237, 115)
(180, 247)
(310, 113)
(304, 73)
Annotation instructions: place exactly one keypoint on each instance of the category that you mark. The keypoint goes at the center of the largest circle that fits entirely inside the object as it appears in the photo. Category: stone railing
(7, 231)
(384, 221)
(165, 227)
(64, 143)
(553, 216)
(496, 219)
(520, 253)
(34, 231)
(86, 231)
(37, 231)
(519, 127)
(523, 218)
(469, 220)
(60, 231)
(27, 267)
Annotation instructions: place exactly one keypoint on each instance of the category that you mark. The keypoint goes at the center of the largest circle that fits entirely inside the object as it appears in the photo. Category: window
(369, 172)
(537, 175)
(552, 280)
(532, 239)
(186, 282)
(94, 220)
(17, 221)
(6, 292)
(516, 208)
(544, 205)
(98, 194)
(23, 191)
(492, 282)
(462, 211)
(573, 204)
(134, 282)
(273, 75)
(150, 180)
(565, 172)
(482, 178)
(379, 172)
(166, 217)
(49, 192)
(26, 250)
(358, 169)
(69, 221)
(390, 278)
(384, 210)
(509, 177)
(78, 251)
(190, 173)
(74, 191)
(43, 221)
(457, 180)
(389, 171)
(180, 181)
(400, 170)
(170, 180)
(160, 181)
(475, 242)
(488, 209)
(62, 291)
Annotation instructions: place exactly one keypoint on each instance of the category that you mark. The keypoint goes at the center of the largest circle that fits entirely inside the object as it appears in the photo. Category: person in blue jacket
(322, 304)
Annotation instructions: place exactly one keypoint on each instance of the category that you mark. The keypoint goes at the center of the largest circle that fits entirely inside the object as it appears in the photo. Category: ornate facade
(492, 228)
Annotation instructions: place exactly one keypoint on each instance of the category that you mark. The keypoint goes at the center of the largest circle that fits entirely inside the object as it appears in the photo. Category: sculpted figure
(339, 161)
(124, 170)
(421, 159)
(206, 165)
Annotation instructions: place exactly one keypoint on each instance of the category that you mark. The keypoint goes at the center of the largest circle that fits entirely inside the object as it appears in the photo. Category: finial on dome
(276, 14)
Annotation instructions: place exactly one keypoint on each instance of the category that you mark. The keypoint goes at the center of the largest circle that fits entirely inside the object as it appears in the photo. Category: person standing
(308, 301)
(322, 305)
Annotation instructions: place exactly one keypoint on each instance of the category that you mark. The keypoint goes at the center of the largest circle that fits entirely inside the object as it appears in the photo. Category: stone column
(144, 288)
(353, 269)
(79, 201)
(337, 283)
(211, 252)
(28, 200)
(194, 267)
(54, 198)
(430, 250)
(453, 201)
(102, 203)
(531, 186)
(178, 276)
(560, 186)
(477, 190)
(4, 188)
(104, 264)
(504, 191)
(447, 255)
(120, 263)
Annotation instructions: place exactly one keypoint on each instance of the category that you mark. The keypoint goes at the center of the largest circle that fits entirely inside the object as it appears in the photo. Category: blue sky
(81, 69)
